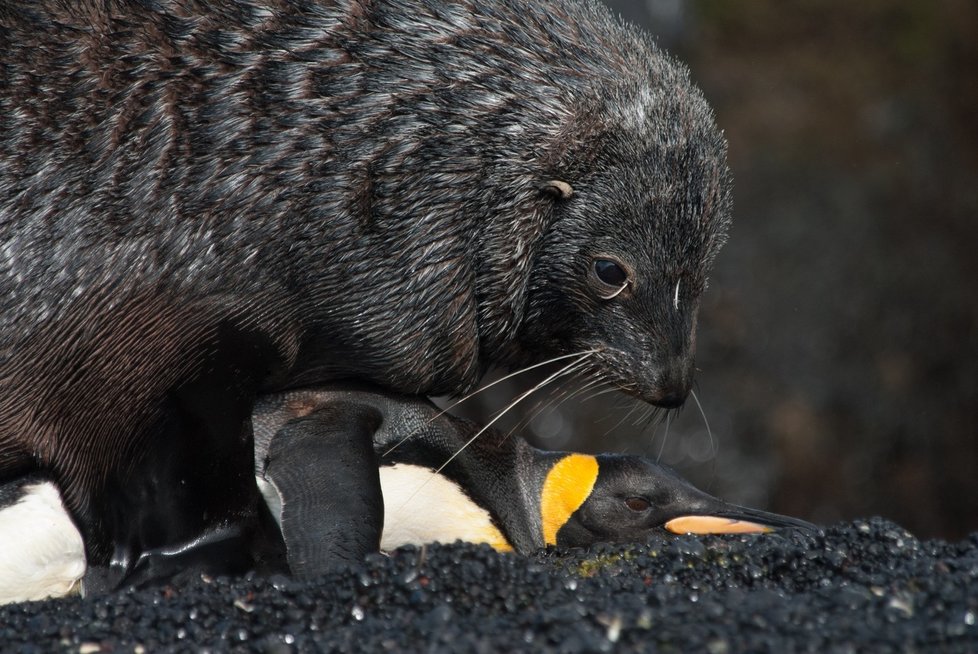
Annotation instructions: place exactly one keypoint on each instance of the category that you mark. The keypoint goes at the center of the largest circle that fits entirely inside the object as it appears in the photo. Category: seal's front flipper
(223, 550)
(325, 472)
(190, 506)
(180, 496)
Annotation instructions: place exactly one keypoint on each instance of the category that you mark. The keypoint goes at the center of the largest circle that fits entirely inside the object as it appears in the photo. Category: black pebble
(864, 586)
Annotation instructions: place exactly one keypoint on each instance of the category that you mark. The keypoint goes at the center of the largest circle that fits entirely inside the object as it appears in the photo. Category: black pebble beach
(863, 586)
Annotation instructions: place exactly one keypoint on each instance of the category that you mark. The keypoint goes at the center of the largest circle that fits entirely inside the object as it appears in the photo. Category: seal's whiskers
(709, 432)
(554, 400)
(665, 438)
(510, 376)
(714, 446)
(604, 391)
(569, 369)
(636, 404)
(515, 373)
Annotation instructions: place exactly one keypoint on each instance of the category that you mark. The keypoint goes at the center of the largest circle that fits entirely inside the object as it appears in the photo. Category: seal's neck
(506, 252)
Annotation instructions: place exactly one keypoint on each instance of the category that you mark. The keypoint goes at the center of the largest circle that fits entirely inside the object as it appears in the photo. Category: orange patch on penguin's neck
(567, 486)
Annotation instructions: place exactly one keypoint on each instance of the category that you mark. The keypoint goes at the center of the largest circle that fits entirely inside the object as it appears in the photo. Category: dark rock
(862, 586)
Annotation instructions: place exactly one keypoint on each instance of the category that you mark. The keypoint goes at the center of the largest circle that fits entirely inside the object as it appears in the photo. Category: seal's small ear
(558, 189)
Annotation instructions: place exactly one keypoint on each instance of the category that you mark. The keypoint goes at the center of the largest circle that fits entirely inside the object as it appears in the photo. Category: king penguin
(443, 479)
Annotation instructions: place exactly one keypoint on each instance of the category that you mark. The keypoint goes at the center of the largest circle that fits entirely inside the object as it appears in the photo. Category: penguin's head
(619, 498)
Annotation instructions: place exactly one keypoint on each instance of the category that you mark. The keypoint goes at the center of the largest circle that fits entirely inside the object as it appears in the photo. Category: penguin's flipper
(325, 472)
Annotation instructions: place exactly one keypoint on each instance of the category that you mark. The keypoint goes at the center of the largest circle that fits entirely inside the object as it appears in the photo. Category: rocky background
(838, 344)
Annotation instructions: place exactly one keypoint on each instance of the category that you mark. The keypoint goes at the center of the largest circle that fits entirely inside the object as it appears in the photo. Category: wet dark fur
(201, 201)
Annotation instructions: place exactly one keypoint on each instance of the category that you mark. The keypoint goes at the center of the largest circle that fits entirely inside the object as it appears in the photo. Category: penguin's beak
(733, 519)
(711, 524)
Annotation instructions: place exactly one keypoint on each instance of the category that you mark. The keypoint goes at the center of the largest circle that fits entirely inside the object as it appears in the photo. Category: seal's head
(641, 207)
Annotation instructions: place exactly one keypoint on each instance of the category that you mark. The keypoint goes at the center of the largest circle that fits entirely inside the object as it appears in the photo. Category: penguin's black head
(630, 499)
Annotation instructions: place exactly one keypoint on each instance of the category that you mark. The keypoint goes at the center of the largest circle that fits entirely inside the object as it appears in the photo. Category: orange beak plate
(708, 524)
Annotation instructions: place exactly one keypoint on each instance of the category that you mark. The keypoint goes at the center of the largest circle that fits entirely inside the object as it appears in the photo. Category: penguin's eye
(638, 504)
(610, 277)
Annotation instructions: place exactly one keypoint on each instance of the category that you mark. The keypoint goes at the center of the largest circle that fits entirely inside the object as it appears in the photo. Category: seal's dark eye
(638, 504)
(610, 272)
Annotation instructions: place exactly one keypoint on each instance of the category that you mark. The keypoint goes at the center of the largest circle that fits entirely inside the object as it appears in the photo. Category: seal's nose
(673, 398)
(674, 382)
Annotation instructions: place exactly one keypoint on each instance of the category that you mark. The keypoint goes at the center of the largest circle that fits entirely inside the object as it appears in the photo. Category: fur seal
(497, 490)
(202, 202)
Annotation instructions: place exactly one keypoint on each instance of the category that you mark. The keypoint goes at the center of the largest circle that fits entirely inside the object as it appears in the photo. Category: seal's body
(437, 487)
(204, 201)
